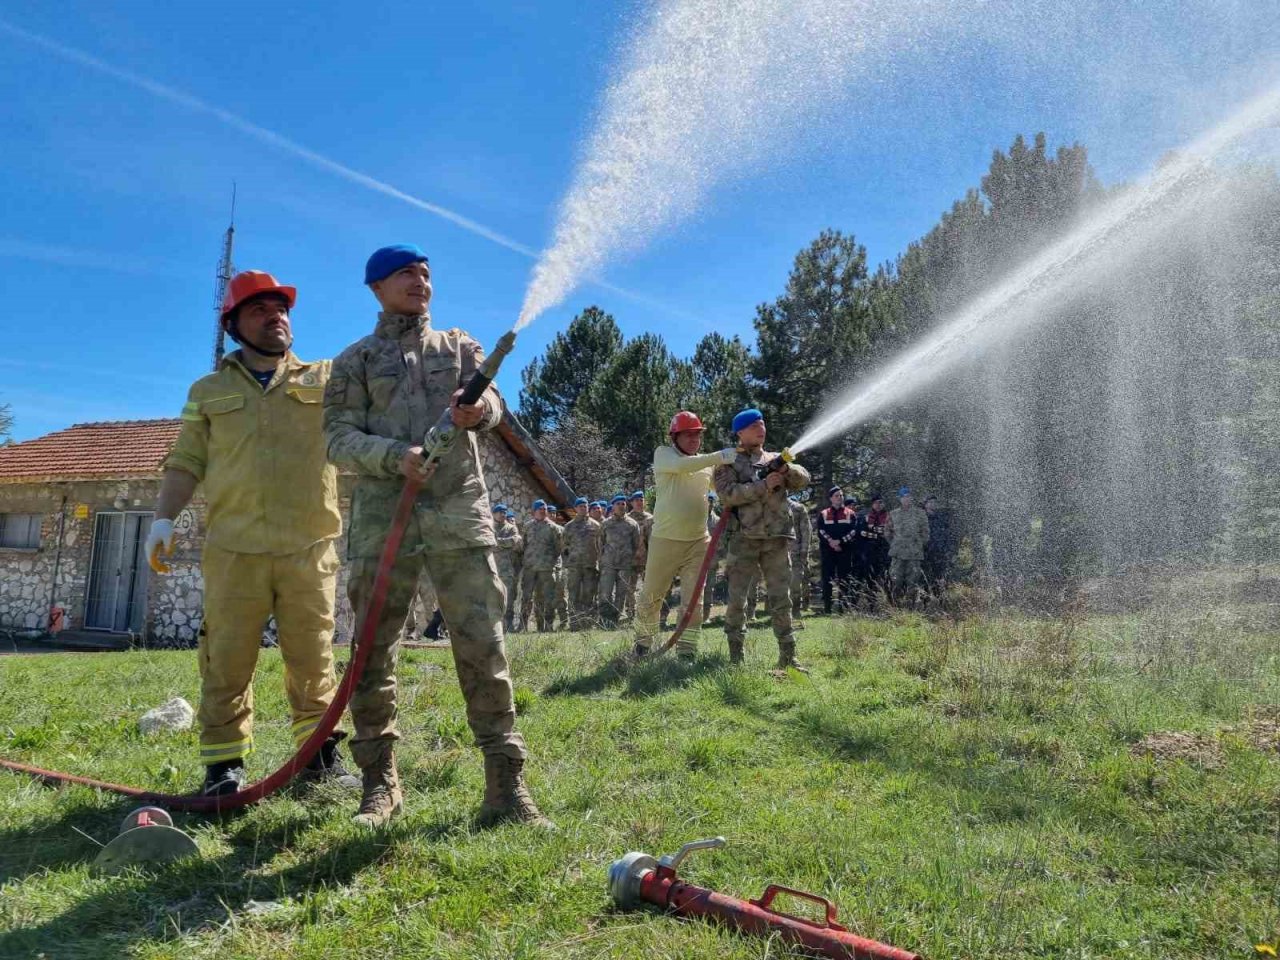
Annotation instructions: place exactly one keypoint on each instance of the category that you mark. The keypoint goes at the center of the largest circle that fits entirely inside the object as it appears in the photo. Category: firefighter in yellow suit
(252, 439)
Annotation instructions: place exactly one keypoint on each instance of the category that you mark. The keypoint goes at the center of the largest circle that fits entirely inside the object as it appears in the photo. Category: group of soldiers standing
(577, 568)
(873, 553)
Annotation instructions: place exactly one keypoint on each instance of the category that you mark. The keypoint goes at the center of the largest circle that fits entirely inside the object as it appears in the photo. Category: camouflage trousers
(616, 583)
(906, 574)
(799, 584)
(470, 597)
(562, 596)
(526, 597)
(510, 584)
(539, 598)
(582, 584)
(768, 558)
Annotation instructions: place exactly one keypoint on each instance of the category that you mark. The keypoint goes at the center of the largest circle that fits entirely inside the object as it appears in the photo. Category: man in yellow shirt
(252, 438)
(680, 538)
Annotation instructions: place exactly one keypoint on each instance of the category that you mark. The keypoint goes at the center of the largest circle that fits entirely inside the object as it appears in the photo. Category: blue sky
(114, 200)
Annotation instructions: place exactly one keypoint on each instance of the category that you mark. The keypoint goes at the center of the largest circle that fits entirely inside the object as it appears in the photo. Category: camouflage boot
(382, 800)
(735, 652)
(506, 798)
(787, 657)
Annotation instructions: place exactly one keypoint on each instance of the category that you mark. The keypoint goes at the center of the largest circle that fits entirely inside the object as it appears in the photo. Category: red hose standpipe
(637, 878)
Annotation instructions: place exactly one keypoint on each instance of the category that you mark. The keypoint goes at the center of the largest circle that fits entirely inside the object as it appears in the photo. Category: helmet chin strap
(233, 328)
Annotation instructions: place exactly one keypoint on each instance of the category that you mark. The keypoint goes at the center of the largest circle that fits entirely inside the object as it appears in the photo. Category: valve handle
(672, 861)
(766, 903)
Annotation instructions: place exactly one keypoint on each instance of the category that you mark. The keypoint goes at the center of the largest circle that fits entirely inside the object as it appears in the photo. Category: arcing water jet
(1121, 228)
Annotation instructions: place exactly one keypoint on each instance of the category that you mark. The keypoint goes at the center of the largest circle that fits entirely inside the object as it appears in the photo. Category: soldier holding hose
(385, 393)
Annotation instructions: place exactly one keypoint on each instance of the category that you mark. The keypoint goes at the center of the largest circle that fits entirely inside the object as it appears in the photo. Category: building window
(20, 531)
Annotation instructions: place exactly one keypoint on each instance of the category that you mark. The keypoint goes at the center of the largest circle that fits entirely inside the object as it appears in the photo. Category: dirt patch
(1262, 728)
(1201, 749)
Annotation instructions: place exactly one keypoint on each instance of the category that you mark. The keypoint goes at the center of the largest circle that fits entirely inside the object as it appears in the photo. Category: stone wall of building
(27, 586)
(174, 600)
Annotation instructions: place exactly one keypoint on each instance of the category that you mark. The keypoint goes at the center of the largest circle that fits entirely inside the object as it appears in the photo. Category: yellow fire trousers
(241, 591)
(667, 560)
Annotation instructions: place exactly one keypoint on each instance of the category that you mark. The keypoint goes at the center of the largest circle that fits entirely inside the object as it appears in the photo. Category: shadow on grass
(643, 678)
(200, 893)
(64, 842)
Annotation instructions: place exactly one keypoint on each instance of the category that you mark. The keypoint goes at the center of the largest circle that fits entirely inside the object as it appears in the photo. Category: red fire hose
(270, 784)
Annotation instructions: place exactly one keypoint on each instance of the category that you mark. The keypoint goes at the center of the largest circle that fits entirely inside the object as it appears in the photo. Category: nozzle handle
(672, 861)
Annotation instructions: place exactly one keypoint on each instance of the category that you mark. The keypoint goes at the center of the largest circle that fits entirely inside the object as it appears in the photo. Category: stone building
(75, 507)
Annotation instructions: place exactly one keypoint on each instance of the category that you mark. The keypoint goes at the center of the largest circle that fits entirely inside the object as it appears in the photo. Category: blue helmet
(746, 418)
(387, 260)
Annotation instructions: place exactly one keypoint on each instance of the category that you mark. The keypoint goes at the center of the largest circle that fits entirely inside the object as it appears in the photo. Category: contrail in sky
(270, 137)
(261, 133)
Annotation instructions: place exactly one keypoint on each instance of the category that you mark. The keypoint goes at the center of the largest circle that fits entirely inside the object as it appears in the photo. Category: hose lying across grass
(289, 769)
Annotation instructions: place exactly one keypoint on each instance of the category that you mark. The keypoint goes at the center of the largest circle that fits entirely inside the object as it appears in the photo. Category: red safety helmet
(253, 283)
(685, 420)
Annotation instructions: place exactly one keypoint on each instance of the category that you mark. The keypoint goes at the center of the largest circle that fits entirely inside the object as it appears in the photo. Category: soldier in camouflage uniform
(763, 529)
(800, 556)
(543, 544)
(908, 533)
(713, 572)
(620, 541)
(644, 519)
(561, 519)
(582, 565)
(526, 577)
(509, 547)
(384, 393)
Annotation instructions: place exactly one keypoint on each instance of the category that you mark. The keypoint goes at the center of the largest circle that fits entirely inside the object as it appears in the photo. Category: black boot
(224, 778)
(327, 766)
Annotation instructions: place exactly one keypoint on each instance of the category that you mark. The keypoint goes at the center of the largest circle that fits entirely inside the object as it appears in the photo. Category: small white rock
(174, 715)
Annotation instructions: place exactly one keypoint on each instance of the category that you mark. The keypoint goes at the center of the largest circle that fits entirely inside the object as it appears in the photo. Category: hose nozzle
(488, 369)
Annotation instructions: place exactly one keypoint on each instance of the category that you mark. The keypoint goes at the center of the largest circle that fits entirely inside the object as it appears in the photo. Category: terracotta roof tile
(116, 448)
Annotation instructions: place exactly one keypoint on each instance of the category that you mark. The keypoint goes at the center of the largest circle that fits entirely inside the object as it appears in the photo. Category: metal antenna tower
(226, 269)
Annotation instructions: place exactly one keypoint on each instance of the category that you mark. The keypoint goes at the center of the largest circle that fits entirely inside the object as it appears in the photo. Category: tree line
(1135, 424)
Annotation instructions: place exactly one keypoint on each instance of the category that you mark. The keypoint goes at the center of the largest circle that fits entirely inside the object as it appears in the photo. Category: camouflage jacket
(582, 543)
(385, 392)
(543, 542)
(509, 548)
(804, 531)
(758, 513)
(620, 542)
(645, 521)
(908, 532)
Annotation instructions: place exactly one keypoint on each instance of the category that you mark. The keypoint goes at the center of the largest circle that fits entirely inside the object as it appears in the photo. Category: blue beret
(580, 502)
(499, 506)
(539, 504)
(510, 512)
(638, 495)
(746, 418)
(904, 491)
(618, 498)
(387, 260)
(711, 495)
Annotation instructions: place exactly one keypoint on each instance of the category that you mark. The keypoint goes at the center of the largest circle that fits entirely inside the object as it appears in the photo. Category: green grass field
(976, 788)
